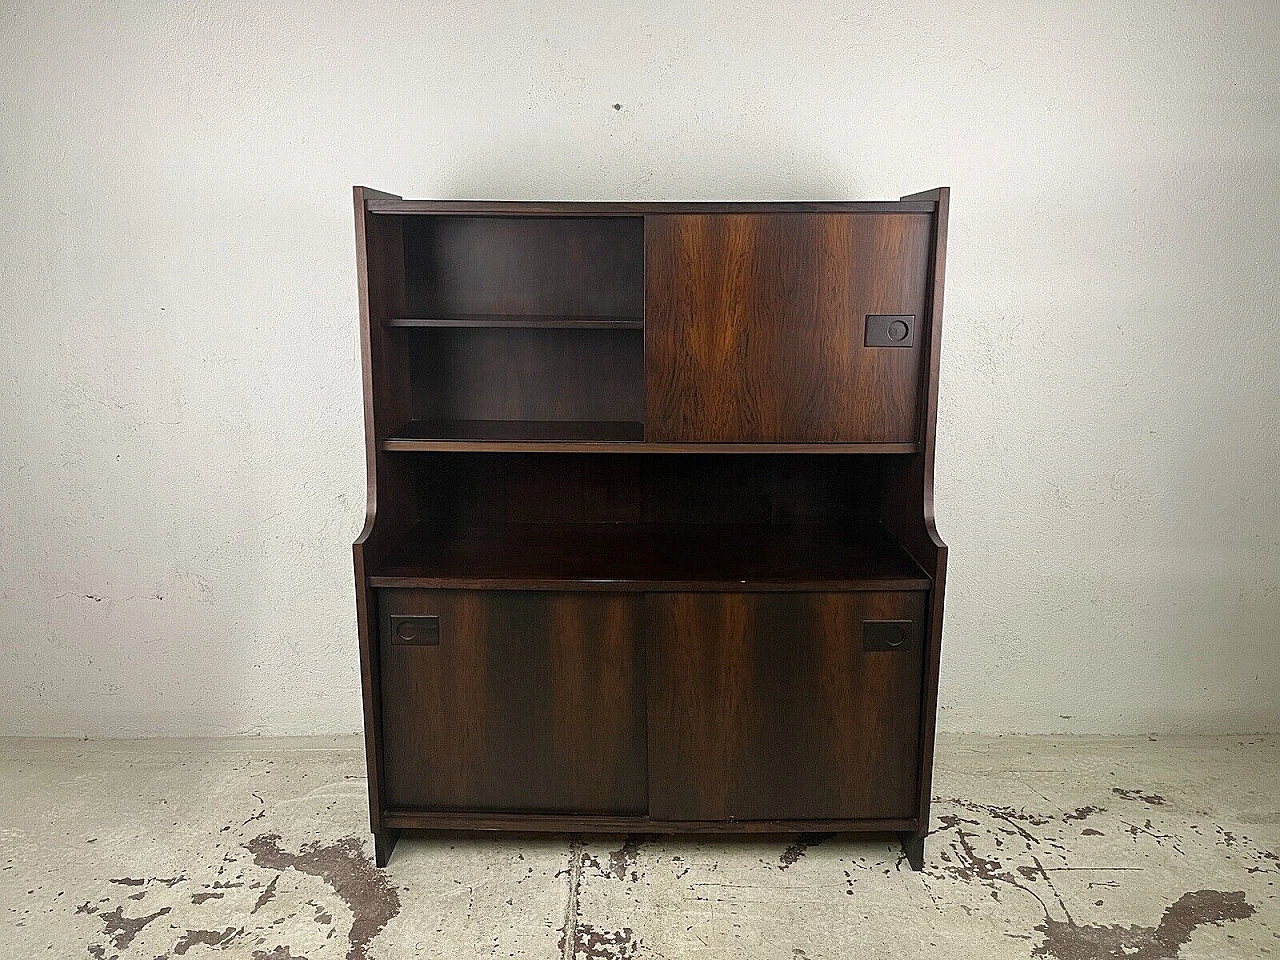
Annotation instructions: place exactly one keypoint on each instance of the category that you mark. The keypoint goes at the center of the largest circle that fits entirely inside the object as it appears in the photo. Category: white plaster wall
(181, 462)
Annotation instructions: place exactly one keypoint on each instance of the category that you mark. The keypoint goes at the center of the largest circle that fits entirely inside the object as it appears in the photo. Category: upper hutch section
(581, 327)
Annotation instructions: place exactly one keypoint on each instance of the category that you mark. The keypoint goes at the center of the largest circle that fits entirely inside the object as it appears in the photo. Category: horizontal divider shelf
(583, 436)
(534, 208)
(520, 322)
(604, 823)
(802, 556)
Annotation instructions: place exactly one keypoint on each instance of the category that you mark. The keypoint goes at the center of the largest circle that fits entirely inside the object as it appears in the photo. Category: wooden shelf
(527, 208)
(520, 322)
(428, 435)
(551, 436)
(641, 556)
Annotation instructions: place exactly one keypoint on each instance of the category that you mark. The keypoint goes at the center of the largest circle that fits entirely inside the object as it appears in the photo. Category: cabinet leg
(913, 848)
(384, 841)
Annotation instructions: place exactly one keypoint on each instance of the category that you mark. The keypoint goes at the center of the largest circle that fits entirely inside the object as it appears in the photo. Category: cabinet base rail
(906, 829)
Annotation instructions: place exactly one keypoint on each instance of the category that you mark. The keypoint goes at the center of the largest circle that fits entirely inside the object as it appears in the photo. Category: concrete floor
(1066, 848)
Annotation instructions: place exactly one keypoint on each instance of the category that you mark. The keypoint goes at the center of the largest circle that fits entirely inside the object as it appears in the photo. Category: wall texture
(181, 464)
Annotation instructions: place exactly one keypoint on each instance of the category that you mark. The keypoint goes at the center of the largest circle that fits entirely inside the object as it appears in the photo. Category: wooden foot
(384, 841)
(913, 848)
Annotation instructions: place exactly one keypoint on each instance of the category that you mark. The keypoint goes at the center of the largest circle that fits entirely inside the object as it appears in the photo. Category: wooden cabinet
(650, 542)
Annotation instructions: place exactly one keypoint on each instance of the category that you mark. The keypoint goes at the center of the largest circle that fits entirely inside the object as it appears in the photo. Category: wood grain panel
(531, 702)
(513, 374)
(531, 266)
(391, 501)
(754, 326)
(383, 203)
(766, 707)
(497, 489)
(669, 556)
(586, 823)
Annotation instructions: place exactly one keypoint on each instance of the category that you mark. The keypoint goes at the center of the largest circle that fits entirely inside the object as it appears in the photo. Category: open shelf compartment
(642, 556)
(520, 329)
(616, 521)
(514, 431)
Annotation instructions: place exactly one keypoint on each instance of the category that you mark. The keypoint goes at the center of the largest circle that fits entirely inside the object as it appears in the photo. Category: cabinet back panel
(473, 490)
(552, 266)
(526, 374)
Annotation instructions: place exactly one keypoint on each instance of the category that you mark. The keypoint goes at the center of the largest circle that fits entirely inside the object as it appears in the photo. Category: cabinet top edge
(588, 209)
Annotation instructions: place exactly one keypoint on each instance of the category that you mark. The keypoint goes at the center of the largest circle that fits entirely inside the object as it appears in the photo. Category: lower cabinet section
(771, 706)
(513, 701)
(676, 706)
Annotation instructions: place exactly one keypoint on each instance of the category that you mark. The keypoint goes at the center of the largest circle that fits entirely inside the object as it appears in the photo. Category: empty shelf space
(585, 436)
(474, 434)
(682, 556)
(520, 322)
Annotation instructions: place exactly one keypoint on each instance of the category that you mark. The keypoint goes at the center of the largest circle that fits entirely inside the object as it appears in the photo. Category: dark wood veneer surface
(638, 468)
(535, 431)
(755, 327)
(525, 374)
(520, 322)
(530, 702)
(385, 204)
(655, 556)
(597, 823)
(766, 706)
(589, 267)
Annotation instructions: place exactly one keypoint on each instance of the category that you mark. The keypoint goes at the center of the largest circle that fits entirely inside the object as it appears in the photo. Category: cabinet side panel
(907, 504)
(756, 327)
(390, 498)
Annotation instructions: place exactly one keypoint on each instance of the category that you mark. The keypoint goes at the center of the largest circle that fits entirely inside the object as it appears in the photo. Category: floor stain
(1068, 940)
(792, 854)
(208, 938)
(365, 889)
(121, 929)
(1083, 813)
(267, 895)
(1037, 866)
(623, 859)
(591, 943)
(1154, 799)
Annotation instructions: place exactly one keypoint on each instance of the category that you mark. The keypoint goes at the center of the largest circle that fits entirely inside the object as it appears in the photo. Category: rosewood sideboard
(650, 542)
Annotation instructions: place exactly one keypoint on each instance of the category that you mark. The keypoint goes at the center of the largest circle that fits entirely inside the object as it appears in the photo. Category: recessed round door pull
(886, 634)
(890, 330)
(418, 628)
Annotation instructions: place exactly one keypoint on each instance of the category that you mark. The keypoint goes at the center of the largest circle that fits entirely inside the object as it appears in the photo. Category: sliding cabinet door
(784, 706)
(783, 328)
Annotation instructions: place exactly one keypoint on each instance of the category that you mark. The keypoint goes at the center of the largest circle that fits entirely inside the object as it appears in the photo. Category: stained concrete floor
(1066, 848)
